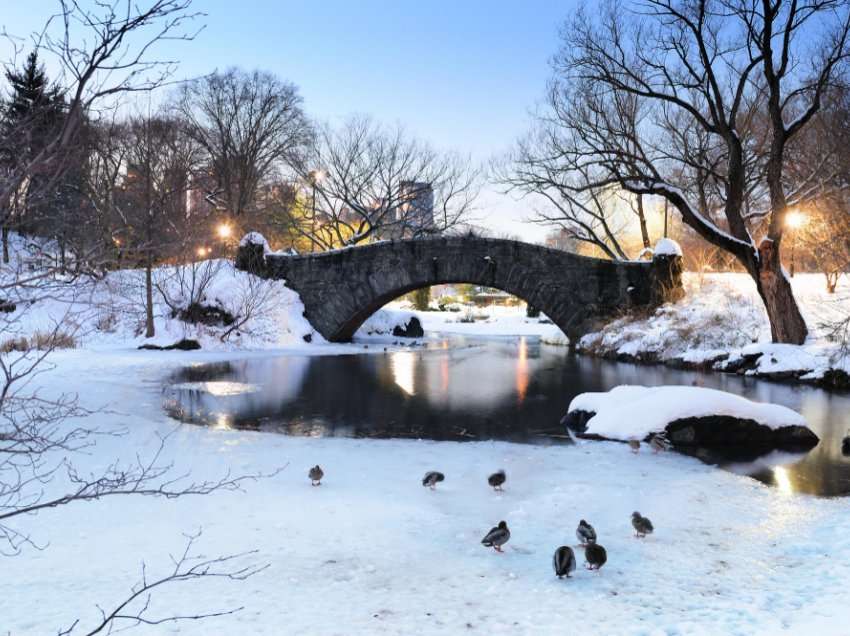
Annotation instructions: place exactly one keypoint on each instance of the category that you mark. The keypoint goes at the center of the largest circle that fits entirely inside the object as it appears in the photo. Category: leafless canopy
(693, 101)
(370, 182)
(248, 124)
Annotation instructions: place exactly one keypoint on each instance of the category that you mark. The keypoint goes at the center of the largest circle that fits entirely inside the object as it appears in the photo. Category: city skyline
(444, 81)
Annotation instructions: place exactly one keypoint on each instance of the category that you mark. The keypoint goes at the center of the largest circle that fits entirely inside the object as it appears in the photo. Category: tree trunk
(786, 322)
(831, 281)
(644, 231)
(149, 326)
(6, 244)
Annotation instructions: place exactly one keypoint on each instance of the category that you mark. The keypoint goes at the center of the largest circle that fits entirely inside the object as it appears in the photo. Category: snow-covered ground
(372, 552)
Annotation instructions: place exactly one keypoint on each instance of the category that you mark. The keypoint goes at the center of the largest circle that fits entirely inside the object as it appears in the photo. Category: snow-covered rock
(687, 414)
(388, 321)
(255, 238)
(667, 247)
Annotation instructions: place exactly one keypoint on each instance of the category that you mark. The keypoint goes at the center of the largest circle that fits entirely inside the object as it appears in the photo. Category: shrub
(40, 341)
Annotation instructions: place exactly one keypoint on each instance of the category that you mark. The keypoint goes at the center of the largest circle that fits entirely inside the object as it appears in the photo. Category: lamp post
(314, 177)
(224, 231)
(794, 220)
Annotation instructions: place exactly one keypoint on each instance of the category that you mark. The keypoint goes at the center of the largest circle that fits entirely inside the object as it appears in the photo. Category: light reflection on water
(460, 388)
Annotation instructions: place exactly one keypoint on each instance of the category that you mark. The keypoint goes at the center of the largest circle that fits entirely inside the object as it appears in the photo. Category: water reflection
(513, 389)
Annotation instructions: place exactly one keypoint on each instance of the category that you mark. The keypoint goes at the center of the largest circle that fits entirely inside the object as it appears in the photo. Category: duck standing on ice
(595, 555)
(564, 561)
(585, 533)
(316, 473)
(497, 537)
(660, 443)
(497, 479)
(432, 478)
(641, 524)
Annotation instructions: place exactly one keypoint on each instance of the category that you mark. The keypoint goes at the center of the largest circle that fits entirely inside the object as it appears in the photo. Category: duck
(845, 445)
(660, 443)
(634, 444)
(564, 561)
(432, 478)
(595, 556)
(497, 479)
(641, 524)
(497, 537)
(585, 533)
(316, 473)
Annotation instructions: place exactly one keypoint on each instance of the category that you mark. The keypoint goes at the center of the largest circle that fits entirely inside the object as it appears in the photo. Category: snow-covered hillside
(109, 312)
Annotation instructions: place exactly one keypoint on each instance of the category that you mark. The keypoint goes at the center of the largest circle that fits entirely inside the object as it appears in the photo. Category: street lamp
(794, 220)
(224, 231)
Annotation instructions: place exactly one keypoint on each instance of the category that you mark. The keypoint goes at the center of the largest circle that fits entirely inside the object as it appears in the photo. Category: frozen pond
(456, 388)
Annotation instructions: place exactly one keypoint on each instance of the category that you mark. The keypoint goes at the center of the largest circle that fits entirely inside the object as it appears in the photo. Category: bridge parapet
(340, 289)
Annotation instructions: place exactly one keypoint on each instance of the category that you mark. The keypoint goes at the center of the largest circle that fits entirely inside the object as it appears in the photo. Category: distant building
(560, 239)
(415, 212)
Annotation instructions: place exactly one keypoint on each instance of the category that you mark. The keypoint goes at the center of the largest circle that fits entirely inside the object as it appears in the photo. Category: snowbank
(634, 412)
(721, 324)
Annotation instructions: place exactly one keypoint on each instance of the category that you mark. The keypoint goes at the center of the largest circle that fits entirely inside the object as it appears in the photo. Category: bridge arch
(340, 289)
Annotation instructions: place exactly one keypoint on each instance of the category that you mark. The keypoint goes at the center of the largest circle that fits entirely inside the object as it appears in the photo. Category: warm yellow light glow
(402, 364)
(522, 371)
(318, 176)
(117, 241)
(795, 219)
(783, 481)
(224, 231)
(203, 251)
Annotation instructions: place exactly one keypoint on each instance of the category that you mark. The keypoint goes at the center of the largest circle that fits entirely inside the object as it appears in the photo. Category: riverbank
(371, 551)
(719, 325)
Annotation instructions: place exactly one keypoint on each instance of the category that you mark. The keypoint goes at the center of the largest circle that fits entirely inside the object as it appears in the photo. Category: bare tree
(248, 124)
(152, 213)
(370, 182)
(104, 51)
(661, 97)
(818, 174)
(542, 167)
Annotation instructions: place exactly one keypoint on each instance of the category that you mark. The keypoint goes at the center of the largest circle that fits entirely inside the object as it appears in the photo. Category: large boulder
(691, 417)
(411, 329)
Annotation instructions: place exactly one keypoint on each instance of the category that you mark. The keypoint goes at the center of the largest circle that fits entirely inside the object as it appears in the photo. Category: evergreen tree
(32, 117)
(31, 113)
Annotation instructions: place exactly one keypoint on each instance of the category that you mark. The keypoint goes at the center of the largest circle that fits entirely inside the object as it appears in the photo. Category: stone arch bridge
(340, 289)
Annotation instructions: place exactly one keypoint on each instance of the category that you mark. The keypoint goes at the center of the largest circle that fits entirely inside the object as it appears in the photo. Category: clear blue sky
(462, 74)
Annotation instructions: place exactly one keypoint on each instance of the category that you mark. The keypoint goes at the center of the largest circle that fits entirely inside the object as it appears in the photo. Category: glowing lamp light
(795, 219)
(224, 231)
(203, 251)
